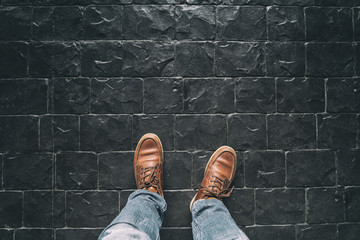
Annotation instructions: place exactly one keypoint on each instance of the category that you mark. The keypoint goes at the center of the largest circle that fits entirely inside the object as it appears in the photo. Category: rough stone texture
(209, 95)
(247, 131)
(320, 232)
(194, 59)
(286, 23)
(321, 200)
(264, 169)
(255, 95)
(91, 209)
(116, 95)
(200, 132)
(239, 59)
(343, 95)
(329, 59)
(82, 80)
(348, 162)
(285, 59)
(291, 131)
(163, 95)
(28, 171)
(195, 22)
(105, 132)
(23, 131)
(116, 171)
(300, 95)
(337, 131)
(23, 96)
(287, 206)
(241, 23)
(310, 168)
(352, 200)
(76, 171)
(328, 24)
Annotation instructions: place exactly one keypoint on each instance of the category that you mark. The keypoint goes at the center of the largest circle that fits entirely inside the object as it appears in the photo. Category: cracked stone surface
(82, 80)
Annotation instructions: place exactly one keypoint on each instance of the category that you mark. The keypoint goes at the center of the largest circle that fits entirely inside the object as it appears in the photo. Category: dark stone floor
(82, 80)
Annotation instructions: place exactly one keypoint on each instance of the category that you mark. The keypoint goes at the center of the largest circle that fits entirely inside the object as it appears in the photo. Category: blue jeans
(142, 217)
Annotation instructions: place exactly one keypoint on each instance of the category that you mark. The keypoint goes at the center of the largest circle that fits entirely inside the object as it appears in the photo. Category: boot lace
(216, 190)
(149, 178)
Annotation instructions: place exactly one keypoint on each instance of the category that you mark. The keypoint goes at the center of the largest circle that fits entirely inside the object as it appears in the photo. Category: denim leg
(144, 212)
(212, 220)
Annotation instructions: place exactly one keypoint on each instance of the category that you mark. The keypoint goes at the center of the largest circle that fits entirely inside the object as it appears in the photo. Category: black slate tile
(337, 130)
(124, 195)
(255, 95)
(149, 22)
(116, 171)
(120, 95)
(157, 1)
(300, 95)
(148, 59)
(329, 59)
(320, 200)
(241, 206)
(27, 171)
(270, 232)
(13, 59)
(177, 170)
(286, 23)
(352, 207)
(200, 160)
(163, 95)
(46, 141)
(76, 171)
(6, 234)
(209, 95)
(1, 171)
(204, 1)
(206, 132)
(285, 58)
(68, 23)
(42, 23)
(286, 206)
(291, 131)
(15, 23)
(91, 209)
(194, 59)
(10, 209)
(335, 3)
(264, 169)
(357, 24)
(320, 232)
(23, 131)
(161, 125)
(343, 94)
(310, 168)
(103, 22)
(58, 209)
(40, 234)
(178, 212)
(77, 233)
(292, 2)
(349, 231)
(241, 23)
(71, 95)
(329, 24)
(246, 2)
(176, 233)
(101, 58)
(66, 59)
(105, 133)
(348, 164)
(23, 96)
(37, 209)
(195, 22)
(239, 59)
(357, 58)
(247, 131)
(40, 59)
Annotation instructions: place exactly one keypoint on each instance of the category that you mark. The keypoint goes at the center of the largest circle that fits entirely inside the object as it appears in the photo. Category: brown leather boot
(148, 164)
(219, 173)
